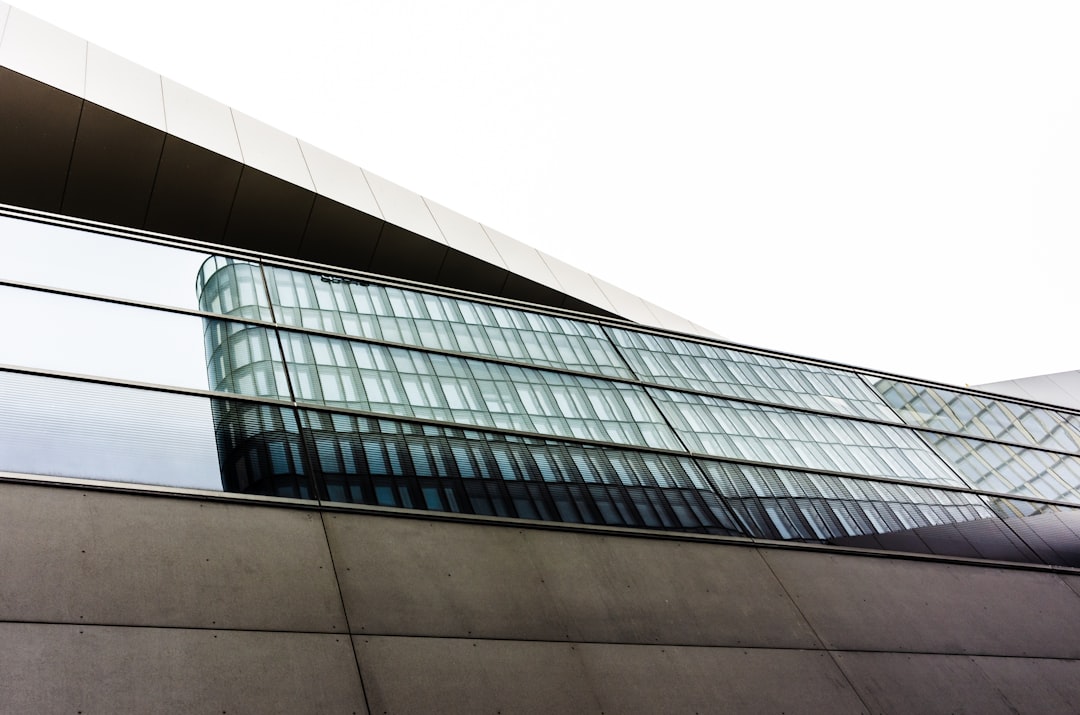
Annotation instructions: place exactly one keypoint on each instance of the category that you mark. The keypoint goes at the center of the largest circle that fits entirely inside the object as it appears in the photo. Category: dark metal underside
(62, 154)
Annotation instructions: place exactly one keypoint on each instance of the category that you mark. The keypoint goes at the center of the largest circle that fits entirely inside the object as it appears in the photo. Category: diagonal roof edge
(89, 134)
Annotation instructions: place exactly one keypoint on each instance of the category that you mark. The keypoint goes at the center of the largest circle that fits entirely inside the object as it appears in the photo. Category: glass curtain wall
(142, 361)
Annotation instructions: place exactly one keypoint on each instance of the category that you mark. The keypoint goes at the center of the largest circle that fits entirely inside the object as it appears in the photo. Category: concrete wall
(116, 601)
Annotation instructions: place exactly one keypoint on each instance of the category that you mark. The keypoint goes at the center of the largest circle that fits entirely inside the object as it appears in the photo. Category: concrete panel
(113, 168)
(640, 590)
(268, 214)
(37, 135)
(577, 283)
(631, 679)
(924, 684)
(200, 120)
(193, 193)
(455, 579)
(450, 676)
(1035, 685)
(75, 556)
(464, 234)
(340, 235)
(46, 53)
(124, 87)
(865, 603)
(410, 576)
(108, 669)
(627, 305)
(272, 151)
(339, 180)
(403, 208)
(474, 676)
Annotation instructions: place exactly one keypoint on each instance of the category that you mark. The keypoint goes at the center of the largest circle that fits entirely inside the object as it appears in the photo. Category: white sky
(891, 185)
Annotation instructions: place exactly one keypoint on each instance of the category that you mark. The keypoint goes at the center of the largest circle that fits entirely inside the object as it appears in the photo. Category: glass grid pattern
(937, 408)
(393, 463)
(731, 373)
(377, 312)
(1011, 470)
(783, 504)
(767, 434)
(407, 383)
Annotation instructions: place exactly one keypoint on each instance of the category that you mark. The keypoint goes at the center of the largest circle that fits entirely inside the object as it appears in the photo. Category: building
(326, 446)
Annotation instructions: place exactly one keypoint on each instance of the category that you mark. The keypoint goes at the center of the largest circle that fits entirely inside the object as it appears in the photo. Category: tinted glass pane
(979, 416)
(765, 434)
(83, 261)
(407, 383)
(69, 428)
(91, 337)
(1004, 468)
(368, 310)
(723, 371)
(630, 488)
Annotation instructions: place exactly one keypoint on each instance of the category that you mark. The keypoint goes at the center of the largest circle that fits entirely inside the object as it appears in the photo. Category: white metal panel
(1060, 388)
(671, 321)
(522, 260)
(404, 208)
(200, 120)
(270, 150)
(1068, 385)
(577, 282)
(124, 87)
(464, 234)
(43, 52)
(339, 180)
(627, 304)
(5, 9)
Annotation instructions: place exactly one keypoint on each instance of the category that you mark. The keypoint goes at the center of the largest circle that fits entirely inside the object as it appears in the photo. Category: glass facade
(141, 360)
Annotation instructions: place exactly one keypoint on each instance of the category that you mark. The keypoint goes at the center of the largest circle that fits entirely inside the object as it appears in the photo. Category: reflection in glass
(723, 428)
(709, 368)
(786, 504)
(260, 449)
(232, 287)
(938, 408)
(87, 262)
(92, 337)
(1051, 531)
(407, 383)
(393, 463)
(69, 428)
(1011, 470)
(367, 310)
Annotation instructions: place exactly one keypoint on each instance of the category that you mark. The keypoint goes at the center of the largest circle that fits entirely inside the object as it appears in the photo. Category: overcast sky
(891, 185)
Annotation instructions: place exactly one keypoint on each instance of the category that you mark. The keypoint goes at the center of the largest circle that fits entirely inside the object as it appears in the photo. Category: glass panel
(365, 310)
(1011, 470)
(978, 416)
(723, 428)
(91, 337)
(636, 483)
(69, 428)
(1052, 532)
(83, 261)
(406, 383)
(722, 371)
(783, 504)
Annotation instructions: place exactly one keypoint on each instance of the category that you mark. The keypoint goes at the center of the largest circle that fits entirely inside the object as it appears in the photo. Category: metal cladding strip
(244, 167)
